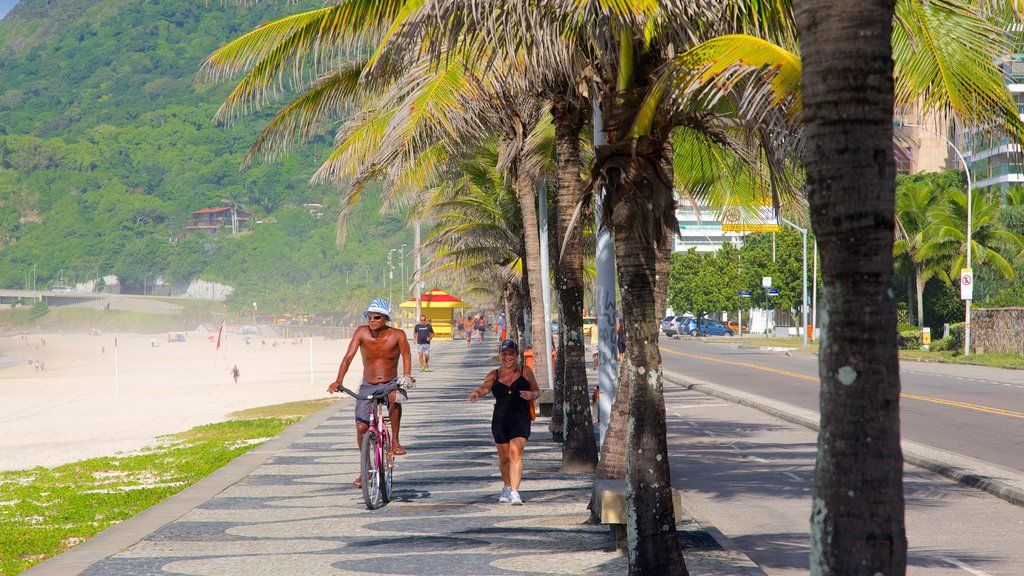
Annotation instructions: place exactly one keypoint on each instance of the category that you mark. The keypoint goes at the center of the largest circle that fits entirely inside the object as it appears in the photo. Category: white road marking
(965, 567)
(793, 476)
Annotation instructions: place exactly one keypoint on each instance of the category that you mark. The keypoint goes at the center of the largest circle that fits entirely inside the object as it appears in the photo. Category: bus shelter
(438, 306)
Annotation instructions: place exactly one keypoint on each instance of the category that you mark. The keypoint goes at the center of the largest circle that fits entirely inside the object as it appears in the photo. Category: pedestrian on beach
(379, 346)
(424, 334)
(513, 386)
(469, 330)
(235, 373)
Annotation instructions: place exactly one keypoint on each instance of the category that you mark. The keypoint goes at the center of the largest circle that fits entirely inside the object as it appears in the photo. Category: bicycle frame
(377, 459)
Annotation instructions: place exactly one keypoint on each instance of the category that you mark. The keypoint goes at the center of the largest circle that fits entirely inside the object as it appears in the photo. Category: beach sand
(93, 399)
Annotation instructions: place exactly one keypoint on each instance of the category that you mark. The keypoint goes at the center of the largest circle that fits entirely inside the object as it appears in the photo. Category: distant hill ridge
(107, 145)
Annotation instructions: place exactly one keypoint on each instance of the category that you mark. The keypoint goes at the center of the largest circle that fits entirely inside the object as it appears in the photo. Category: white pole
(416, 273)
(310, 359)
(115, 366)
(814, 299)
(608, 358)
(545, 275)
(803, 231)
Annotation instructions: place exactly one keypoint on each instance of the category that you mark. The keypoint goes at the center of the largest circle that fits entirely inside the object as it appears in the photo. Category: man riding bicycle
(379, 346)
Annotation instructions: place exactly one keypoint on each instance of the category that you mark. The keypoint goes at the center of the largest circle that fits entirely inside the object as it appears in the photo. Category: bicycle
(376, 457)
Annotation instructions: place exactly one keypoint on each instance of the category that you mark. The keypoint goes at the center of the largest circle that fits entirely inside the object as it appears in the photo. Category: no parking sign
(966, 284)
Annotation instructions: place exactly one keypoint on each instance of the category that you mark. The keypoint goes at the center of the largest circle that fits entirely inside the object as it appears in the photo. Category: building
(212, 219)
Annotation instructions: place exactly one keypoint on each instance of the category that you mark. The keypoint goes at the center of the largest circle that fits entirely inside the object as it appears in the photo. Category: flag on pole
(219, 333)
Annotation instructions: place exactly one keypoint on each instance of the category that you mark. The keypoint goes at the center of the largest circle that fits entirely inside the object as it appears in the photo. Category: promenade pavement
(289, 506)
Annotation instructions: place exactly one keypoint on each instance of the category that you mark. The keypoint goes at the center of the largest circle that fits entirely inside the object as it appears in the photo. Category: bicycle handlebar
(378, 395)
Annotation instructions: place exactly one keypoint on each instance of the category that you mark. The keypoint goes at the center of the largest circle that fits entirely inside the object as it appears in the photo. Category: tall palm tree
(857, 525)
(849, 90)
(915, 197)
(422, 106)
(992, 245)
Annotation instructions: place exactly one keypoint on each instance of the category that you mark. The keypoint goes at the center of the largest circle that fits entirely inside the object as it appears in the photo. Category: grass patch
(46, 511)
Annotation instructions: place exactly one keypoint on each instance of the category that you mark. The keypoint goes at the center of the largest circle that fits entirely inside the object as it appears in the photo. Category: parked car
(672, 325)
(735, 326)
(708, 327)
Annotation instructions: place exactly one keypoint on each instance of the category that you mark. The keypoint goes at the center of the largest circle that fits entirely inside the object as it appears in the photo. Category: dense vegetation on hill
(107, 146)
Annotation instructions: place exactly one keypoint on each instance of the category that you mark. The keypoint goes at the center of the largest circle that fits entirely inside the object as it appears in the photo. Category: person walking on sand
(235, 373)
(424, 334)
(513, 387)
(379, 346)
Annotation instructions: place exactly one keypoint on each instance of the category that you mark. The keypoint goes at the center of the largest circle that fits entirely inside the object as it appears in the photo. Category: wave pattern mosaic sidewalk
(298, 512)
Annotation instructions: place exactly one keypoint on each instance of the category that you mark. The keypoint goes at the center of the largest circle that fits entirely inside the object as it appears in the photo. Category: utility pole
(401, 262)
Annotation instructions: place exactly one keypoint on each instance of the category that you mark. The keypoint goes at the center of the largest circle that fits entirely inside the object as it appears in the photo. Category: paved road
(752, 474)
(970, 410)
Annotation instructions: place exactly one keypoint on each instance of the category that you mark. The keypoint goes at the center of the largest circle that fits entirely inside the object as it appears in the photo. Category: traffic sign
(744, 293)
(966, 284)
(773, 292)
(766, 281)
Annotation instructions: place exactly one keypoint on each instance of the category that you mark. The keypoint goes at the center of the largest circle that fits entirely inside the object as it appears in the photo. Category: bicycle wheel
(371, 468)
(387, 467)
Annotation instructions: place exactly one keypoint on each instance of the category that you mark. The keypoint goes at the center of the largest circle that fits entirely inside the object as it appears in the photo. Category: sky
(5, 6)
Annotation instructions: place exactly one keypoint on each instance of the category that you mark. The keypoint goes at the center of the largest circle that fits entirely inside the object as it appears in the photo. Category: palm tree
(915, 197)
(857, 525)
(376, 144)
(991, 243)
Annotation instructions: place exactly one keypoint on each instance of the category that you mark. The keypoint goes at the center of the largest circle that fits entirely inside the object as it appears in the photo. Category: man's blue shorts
(364, 407)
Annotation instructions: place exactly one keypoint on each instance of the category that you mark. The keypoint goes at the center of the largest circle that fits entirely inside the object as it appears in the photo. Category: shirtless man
(379, 346)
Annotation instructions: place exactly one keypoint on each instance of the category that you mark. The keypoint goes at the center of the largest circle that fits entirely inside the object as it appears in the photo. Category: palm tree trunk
(857, 513)
(526, 192)
(579, 443)
(919, 288)
(653, 544)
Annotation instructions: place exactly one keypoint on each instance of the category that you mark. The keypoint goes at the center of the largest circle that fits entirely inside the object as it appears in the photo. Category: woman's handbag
(533, 410)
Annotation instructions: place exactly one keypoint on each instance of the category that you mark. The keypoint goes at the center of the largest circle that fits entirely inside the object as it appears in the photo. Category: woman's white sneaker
(506, 494)
(515, 498)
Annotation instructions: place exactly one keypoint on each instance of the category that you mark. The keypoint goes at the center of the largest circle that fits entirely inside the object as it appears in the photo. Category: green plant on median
(46, 511)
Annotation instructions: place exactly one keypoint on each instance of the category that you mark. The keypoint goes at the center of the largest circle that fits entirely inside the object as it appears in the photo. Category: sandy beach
(93, 399)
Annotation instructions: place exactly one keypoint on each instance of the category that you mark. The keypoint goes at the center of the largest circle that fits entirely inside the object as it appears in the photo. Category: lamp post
(145, 283)
(967, 171)
(803, 305)
(33, 277)
(401, 262)
(391, 273)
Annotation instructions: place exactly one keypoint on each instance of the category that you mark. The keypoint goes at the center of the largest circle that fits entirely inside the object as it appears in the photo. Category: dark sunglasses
(377, 317)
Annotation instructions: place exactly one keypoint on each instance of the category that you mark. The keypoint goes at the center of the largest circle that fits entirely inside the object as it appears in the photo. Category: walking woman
(513, 387)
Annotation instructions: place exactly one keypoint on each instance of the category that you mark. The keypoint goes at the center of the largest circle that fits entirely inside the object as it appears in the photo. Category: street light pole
(401, 262)
(803, 231)
(391, 274)
(967, 171)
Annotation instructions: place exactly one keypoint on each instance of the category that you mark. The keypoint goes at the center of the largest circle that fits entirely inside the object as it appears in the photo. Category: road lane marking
(965, 567)
(967, 405)
(793, 476)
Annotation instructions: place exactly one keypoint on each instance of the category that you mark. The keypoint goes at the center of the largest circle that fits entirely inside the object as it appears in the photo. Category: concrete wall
(997, 330)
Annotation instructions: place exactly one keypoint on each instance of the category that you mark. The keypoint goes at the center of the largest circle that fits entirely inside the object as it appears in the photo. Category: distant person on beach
(424, 334)
(513, 387)
(379, 346)
(235, 373)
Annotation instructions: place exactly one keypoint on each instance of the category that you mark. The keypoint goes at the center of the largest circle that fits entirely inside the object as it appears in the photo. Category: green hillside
(107, 146)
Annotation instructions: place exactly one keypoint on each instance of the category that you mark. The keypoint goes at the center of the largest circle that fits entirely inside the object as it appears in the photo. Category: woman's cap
(509, 345)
